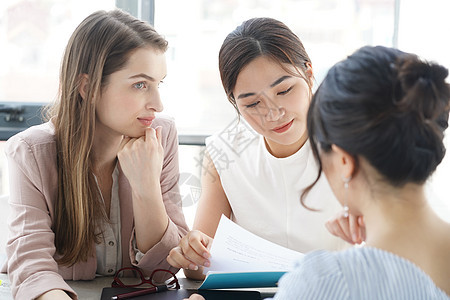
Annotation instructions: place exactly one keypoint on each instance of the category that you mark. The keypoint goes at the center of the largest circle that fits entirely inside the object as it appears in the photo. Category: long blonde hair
(99, 46)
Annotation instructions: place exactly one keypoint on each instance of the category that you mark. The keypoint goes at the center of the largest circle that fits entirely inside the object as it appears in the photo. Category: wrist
(151, 187)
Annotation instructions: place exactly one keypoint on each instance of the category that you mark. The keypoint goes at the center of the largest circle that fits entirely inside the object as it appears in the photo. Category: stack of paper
(241, 259)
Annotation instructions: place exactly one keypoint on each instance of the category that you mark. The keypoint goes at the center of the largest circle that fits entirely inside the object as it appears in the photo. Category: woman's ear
(346, 162)
(84, 85)
(309, 72)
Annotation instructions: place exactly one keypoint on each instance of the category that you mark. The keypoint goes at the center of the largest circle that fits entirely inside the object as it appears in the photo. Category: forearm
(54, 295)
(143, 206)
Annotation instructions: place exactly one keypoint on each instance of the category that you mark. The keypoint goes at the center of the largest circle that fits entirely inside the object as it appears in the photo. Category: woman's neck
(104, 153)
(282, 151)
(396, 217)
(408, 227)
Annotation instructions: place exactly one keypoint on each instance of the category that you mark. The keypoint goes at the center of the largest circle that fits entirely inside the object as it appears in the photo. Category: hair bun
(416, 70)
(421, 88)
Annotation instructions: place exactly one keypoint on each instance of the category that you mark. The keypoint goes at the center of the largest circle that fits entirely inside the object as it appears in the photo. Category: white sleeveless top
(264, 191)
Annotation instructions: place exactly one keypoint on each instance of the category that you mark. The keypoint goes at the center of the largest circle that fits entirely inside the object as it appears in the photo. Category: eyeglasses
(171, 282)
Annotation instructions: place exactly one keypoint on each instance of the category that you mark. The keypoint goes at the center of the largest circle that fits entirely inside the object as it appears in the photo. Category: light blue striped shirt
(357, 273)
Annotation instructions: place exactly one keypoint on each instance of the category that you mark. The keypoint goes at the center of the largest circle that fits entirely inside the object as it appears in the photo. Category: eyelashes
(140, 85)
(143, 85)
(285, 92)
(254, 104)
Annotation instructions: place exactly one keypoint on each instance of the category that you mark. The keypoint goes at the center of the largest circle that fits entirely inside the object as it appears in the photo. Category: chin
(287, 140)
(135, 134)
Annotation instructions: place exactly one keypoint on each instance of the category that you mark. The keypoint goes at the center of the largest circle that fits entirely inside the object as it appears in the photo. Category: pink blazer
(33, 176)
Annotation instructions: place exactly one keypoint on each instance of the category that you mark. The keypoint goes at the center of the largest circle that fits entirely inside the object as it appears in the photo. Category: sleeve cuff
(137, 253)
(41, 283)
(156, 256)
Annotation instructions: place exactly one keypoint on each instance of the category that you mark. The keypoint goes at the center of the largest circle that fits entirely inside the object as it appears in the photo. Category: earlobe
(84, 86)
(346, 162)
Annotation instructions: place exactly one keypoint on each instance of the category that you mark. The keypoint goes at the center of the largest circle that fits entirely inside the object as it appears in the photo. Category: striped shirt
(357, 273)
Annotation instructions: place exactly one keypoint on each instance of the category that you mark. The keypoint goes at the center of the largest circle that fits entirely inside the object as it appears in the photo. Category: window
(329, 29)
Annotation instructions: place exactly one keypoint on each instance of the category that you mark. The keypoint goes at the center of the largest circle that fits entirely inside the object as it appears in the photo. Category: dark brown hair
(259, 37)
(387, 106)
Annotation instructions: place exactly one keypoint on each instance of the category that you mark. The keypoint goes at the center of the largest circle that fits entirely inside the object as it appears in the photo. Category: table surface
(92, 289)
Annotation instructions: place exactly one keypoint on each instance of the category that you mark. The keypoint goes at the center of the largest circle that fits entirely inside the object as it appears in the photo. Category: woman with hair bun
(376, 125)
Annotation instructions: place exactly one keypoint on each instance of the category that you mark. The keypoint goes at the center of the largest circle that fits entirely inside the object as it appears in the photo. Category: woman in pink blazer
(95, 188)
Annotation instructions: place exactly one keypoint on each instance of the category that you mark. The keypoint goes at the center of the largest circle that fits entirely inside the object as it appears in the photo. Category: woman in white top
(256, 169)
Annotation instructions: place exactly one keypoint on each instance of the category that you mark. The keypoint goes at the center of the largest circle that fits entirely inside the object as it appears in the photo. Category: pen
(156, 289)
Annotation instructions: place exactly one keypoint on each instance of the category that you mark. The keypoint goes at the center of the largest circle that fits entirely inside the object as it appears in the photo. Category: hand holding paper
(243, 259)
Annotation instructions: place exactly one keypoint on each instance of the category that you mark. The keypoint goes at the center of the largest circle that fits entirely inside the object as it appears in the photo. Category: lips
(146, 121)
(284, 127)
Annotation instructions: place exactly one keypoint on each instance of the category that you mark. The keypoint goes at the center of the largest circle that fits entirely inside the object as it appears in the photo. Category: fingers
(195, 249)
(152, 134)
(159, 133)
(124, 141)
(334, 227)
(200, 242)
(192, 252)
(351, 229)
(362, 227)
(177, 259)
(354, 229)
(195, 297)
(361, 221)
(344, 226)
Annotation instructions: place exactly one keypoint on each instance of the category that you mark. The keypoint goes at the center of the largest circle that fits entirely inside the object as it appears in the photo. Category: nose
(273, 111)
(154, 102)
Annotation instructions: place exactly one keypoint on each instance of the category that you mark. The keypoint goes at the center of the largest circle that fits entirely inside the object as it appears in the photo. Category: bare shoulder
(445, 237)
(440, 253)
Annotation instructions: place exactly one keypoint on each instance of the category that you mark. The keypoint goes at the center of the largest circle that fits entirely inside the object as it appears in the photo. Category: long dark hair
(387, 106)
(260, 37)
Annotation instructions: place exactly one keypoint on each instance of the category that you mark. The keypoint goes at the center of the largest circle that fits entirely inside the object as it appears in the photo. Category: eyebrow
(275, 83)
(279, 80)
(144, 76)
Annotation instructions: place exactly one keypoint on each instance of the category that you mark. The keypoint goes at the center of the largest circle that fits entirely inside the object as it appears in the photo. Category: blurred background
(33, 34)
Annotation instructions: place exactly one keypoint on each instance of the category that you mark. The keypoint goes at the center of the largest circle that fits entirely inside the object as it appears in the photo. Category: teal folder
(218, 280)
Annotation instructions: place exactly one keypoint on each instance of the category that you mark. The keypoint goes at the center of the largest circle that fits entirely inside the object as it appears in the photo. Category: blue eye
(253, 104)
(139, 85)
(285, 92)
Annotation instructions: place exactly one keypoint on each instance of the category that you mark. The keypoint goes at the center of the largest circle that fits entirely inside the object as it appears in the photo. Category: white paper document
(235, 249)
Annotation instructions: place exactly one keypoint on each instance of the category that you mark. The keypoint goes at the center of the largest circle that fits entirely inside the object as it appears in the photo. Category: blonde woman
(95, 188)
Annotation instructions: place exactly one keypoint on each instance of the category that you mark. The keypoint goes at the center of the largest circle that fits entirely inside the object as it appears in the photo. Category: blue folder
(241, 280)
